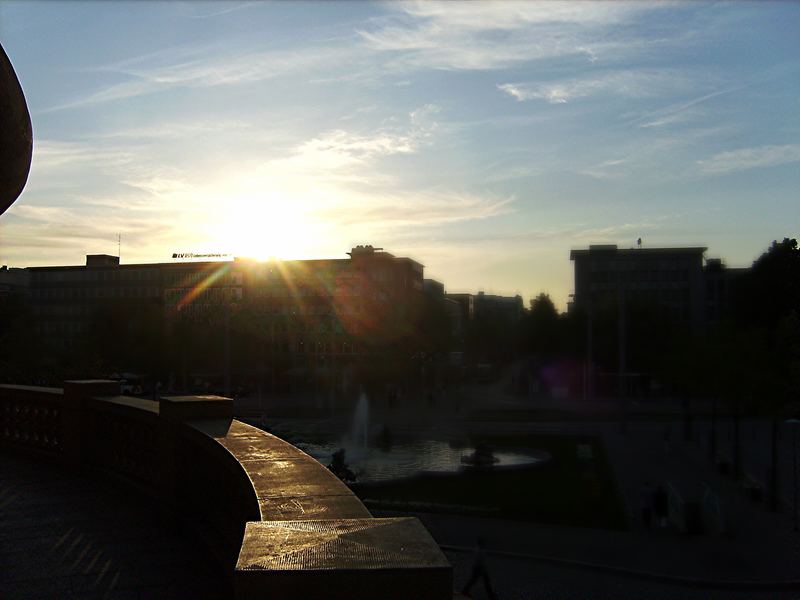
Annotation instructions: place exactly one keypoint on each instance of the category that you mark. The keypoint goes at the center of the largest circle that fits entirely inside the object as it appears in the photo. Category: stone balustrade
(279, 523)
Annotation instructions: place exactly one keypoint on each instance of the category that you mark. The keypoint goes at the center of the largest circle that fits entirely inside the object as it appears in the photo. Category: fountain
(394, 456)
(339, 466)
(360, 429)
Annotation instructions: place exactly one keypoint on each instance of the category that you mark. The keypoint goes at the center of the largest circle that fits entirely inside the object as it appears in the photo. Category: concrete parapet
(342, 558)
(188, 408)
(75, 426)
(296, 529)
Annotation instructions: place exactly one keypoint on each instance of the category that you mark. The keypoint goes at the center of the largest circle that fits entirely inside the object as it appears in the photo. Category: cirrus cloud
(750, 158)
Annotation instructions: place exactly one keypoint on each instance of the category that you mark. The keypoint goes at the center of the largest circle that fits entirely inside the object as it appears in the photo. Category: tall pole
(794, 468)
(227, 351)
(794, 423)
(737, 440)
(712, 447)
(623, 425)
(589, 357)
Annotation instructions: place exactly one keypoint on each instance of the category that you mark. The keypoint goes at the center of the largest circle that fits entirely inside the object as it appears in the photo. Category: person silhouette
(479, 571)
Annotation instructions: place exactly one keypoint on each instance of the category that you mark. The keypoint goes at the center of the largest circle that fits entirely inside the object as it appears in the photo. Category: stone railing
(279, 523)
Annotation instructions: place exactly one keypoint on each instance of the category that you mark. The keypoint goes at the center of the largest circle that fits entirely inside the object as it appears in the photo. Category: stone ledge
(288, 483)
(302, 508)
(314, 539)
(341, 558)
(186, 408)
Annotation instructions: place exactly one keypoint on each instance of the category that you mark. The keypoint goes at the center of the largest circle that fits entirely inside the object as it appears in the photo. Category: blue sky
(484, 140)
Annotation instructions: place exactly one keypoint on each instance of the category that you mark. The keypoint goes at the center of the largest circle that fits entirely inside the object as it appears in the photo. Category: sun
(262, 227)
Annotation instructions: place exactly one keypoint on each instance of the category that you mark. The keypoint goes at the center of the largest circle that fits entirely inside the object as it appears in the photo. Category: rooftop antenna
(119, 246)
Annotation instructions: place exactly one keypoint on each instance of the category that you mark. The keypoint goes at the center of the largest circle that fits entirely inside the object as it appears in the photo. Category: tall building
(12, 281)
(668, 279)
(719, 288)
(65, 299)
(507, 308)
(303, 312)
(686, 289)
(466, 304)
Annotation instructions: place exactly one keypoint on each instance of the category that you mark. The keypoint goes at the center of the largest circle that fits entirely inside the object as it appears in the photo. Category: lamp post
(621, 333)
(226, 348)
(794, 423)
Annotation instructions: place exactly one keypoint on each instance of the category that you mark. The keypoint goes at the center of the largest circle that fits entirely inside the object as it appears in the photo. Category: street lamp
(794, 423)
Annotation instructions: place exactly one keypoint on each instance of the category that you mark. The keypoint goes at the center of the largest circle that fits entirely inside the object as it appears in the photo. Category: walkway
(761, 546)
(79, 537)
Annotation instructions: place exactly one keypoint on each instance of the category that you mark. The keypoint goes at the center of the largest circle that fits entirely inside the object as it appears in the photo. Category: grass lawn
(568, 490)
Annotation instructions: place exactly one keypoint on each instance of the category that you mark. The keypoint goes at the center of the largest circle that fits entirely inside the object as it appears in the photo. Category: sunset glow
(484, 140)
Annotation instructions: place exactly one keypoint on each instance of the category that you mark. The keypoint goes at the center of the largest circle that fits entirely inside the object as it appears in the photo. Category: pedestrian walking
(646, 501)
(479, 571)
(661, 505)
(667, 440)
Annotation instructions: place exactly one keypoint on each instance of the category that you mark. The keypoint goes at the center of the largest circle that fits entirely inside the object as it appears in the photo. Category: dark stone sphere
(16, 135)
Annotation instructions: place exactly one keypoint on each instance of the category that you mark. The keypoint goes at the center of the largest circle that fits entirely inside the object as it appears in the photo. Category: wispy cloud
(420, 208)
(171, 130)
(340, 154)
(608, 169)
(750, 158)
(49, 154)
(78, 229)
(679, 111)
(682, 116)
(637, 83)
(209, 69)
(661, 156)
(577, 233)
(227, 8)
(480, 36)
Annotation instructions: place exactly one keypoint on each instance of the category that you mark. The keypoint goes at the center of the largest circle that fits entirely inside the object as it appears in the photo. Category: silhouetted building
(433, 288)
(466, 302)
(677, 282)
(13, 281)
(65, 300)
(719, 288)
(303, 313)
(456, 316)
(507, 308)
(668, 279)
(332, 307)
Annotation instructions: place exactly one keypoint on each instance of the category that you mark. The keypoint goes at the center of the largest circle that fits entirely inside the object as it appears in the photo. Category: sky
(484, 140)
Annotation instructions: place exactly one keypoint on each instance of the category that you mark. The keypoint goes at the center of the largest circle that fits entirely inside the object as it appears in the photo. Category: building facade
(669, 280)
(299, 314)
(680, 284)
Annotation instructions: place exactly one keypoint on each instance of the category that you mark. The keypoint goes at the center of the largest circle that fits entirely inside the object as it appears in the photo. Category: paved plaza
(65, 536)
(759, 556)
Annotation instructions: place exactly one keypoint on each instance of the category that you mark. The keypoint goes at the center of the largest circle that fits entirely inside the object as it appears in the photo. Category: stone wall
(278, 522)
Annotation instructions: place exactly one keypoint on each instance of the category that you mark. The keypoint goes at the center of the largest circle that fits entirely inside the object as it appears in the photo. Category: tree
(770, 291)
(542, 328)
(766, 306)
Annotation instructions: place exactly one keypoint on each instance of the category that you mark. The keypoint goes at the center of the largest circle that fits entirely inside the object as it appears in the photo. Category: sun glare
(263, 227)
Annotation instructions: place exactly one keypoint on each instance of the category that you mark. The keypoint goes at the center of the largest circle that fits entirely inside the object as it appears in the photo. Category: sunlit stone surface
(342, 558)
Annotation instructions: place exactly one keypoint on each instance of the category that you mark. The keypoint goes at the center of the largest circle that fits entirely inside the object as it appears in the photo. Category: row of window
(640, 276)
(95, 292)
(63, 310)
(659, 288)
(61, 327)
(190, 278)
(94, 275)
(216, 295)
(654, 264)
